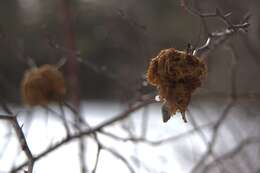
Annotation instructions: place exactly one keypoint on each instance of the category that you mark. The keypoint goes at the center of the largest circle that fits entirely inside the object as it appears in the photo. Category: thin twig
(64, 120)
(156, 142)
(97, 158)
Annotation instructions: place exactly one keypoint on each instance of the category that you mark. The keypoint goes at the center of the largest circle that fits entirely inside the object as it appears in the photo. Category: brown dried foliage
(42, 85)
(176, 74)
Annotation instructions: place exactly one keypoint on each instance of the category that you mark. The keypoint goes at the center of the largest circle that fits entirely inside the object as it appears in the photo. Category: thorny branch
(22, 140)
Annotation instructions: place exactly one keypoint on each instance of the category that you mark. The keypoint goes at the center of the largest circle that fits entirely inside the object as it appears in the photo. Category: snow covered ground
(42, 129)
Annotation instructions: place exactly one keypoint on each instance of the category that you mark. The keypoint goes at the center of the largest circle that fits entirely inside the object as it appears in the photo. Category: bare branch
(232, 102)
(216, 39)
(79, 135)
(97, 158)
(229, 155)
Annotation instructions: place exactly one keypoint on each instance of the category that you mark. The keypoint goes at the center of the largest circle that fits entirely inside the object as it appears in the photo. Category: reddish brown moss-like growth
(176, 74)
(42, 85)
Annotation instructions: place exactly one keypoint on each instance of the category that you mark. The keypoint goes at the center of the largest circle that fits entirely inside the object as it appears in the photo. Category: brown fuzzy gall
(176, 74)
(42, 85)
